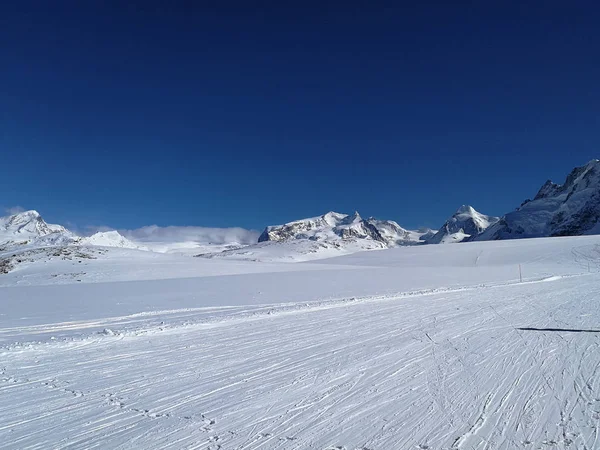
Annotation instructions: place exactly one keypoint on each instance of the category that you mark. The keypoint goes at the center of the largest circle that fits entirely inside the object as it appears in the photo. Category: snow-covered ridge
(330, 235)
(334, 226)
(570, 209)
(465, 224)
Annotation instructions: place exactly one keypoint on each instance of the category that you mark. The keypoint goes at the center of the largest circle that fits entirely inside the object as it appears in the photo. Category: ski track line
(215, 316)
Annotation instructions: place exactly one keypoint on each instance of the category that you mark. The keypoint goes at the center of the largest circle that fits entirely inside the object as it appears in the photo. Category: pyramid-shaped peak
(333, 218)
(354, 217)
(466, 209)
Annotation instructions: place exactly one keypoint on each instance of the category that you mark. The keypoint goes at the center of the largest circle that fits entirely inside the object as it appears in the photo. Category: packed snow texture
(426, 347)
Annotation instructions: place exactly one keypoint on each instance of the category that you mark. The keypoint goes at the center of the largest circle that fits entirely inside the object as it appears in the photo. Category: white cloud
(14, 210)
(201, 235)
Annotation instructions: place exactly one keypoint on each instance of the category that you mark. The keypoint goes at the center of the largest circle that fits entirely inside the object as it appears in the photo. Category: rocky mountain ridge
(570, 209)
(334, 226)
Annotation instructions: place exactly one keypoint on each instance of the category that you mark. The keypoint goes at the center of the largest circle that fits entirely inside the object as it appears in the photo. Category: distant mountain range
(572, 208)
(342, 226)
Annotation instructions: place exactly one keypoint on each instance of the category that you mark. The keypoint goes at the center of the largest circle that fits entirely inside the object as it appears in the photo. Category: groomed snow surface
(429, 347)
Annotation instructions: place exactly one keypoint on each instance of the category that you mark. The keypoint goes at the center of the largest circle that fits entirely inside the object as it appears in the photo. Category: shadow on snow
(567, 330)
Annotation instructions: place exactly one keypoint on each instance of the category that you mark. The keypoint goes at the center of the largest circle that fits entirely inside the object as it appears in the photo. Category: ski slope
(429, 347)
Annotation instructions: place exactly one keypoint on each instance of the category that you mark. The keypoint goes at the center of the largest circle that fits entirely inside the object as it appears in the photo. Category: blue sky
(250, 114)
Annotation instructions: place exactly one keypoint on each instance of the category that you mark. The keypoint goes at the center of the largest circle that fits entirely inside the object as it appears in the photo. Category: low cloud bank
(202, 235)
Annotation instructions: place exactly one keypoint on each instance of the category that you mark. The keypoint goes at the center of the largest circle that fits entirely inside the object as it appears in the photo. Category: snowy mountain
(342, 227)
(28, 227)
(570, 209)
(464, 224)
(332, 234)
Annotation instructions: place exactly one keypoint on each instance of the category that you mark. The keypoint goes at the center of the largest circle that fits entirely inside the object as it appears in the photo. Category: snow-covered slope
(296, 250)
(415, 347)
(464, 224)
(572, 208)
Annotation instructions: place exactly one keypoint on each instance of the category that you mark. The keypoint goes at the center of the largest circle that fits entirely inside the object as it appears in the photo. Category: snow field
(433, 347)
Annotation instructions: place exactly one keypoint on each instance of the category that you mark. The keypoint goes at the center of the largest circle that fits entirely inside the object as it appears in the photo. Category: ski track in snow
(441, 368)
(161, 320)
(445, 374)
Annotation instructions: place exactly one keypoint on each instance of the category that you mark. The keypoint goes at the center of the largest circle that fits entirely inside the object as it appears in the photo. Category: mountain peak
(332, 217)
(466, 209)
(28, 227)
(25, 216)
(26, 221)
(28, 213)
(548, 189)
(464, 224)
(354, 218)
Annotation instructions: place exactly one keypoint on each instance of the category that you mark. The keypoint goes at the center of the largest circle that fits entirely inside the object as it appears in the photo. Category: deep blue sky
(256, 113)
